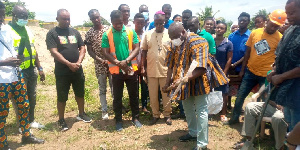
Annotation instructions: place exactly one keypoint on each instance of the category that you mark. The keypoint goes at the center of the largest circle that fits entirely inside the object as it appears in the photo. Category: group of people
(157, 56)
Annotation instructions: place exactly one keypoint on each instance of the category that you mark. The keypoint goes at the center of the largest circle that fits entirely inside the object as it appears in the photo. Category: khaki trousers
(252, 112)
(153, 84)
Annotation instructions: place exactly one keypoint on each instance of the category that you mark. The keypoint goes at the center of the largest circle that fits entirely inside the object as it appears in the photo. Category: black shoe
(31, 140)
(6, 147)
(137, 123)
(181, 116)
(168, 120)
(119, 126)
(186, 138)
(231, 122)
(154, 120)
(84, 118)
(63, 125)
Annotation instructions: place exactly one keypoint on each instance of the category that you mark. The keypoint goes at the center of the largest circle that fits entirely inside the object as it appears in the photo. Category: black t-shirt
(67, 41)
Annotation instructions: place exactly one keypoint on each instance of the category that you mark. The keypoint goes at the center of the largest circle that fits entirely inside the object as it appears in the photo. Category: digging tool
(248, 145)
(193, 66)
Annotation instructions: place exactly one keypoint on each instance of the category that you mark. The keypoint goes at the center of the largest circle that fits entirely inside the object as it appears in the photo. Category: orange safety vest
(113, 69)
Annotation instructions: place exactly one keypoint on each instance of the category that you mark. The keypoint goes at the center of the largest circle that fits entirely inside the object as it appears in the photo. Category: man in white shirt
(12, 86)
(124, 8)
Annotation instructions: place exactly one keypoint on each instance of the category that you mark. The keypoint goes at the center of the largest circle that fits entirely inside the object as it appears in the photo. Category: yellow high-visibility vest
(17, 39)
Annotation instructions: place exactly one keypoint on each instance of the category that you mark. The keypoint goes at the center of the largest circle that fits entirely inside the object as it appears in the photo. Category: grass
(101, 135)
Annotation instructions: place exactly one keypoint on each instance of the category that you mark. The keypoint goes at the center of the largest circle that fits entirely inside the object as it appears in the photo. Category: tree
(229, 23)
(208, 12)
(10, 5)
(90, 24)
(260, 12)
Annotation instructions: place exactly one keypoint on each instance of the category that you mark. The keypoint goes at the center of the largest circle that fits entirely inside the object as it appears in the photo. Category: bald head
(193, 24)
(19, 12)
(194, 19)
(143, 8)
(175, 26)
(63, 18)
(176, 30)
(159, 21)
(61, 11)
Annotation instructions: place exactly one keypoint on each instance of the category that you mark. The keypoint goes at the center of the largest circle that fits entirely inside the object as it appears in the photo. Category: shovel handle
(262, 113)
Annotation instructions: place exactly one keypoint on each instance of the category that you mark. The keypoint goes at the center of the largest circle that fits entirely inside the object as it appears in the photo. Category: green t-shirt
(121, 43)
(211, 42)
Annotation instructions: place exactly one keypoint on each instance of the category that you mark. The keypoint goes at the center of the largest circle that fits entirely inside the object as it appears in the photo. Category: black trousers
(132, 88)
(144, 92)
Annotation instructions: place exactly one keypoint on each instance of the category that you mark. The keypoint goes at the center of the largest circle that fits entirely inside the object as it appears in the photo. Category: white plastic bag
(214, 102)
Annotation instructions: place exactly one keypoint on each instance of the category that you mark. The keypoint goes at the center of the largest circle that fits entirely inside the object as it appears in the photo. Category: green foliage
(260, 12)
(90, 24)
(10, 5)
(87, 24)
(229, 23)
(208, 12)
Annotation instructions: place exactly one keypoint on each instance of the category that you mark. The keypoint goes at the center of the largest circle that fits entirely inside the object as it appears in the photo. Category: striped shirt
(179, 59)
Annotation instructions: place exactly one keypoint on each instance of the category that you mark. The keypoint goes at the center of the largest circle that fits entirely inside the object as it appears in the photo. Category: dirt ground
(101, 134)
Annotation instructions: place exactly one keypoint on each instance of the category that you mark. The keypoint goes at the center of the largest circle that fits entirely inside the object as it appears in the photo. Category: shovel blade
(248, 146)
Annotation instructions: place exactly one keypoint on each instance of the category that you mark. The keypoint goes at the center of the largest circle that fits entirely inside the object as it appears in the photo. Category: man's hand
(104, 62)
(73, 66)
(143, 72)
(126, 69)
(78, 64)
(12, 61)
(277, 79)
(164, 89)
(174, 85)
(42, 76)
(279, 107)
(123, 64)
(270, 75)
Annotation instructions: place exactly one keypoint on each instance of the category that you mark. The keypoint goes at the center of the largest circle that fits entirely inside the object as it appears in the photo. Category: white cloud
(46, 10)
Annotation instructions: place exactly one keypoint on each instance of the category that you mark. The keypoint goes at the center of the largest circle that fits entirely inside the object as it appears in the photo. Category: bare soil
(101, 134)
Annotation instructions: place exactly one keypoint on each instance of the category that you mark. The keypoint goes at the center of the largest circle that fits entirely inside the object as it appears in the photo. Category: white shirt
(7, 73)
(130, 25)
(139, 56)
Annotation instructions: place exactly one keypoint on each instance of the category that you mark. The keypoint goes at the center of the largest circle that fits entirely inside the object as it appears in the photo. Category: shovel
(193, 66)
(248, 145)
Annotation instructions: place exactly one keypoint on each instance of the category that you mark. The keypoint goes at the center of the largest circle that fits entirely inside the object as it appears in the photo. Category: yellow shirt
(156, 45)
(262, 55)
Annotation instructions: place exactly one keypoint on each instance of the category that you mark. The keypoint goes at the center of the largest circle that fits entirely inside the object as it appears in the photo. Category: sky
(229, 9)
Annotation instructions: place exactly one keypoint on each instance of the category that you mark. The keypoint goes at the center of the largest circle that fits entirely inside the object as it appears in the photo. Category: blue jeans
(195, 108)
(181, 107)
(249, 81)
(292, 117)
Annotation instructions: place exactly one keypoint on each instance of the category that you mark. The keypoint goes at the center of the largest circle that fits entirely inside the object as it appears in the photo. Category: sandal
(223, 118)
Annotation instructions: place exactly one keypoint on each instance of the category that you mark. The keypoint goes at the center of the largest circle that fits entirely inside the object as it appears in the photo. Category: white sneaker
(36, 125)
(104, 116)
